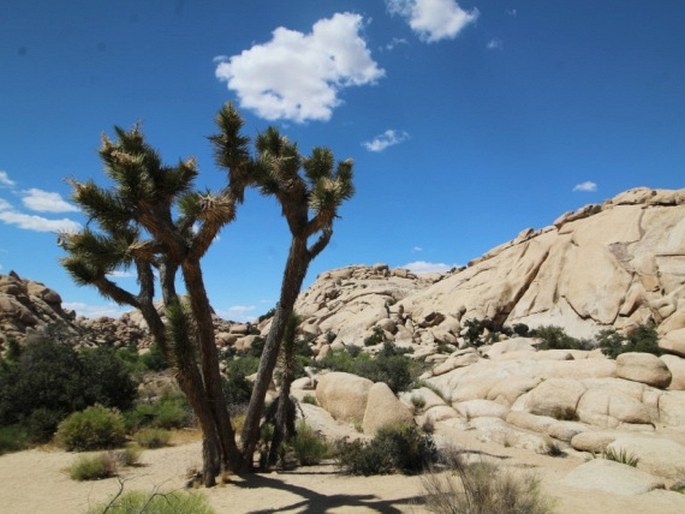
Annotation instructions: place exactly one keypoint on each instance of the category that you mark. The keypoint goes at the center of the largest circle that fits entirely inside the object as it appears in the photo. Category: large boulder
(384, 408)
(555, 397)
(661, 457)
(676, 365)
(343, 395)
(612, 477)
(643, 367)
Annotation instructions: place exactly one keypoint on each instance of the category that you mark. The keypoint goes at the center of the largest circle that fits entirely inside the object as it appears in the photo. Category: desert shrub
(556, 338)
(474, 328)
(418, 401)
(129, 456)
(93, 467)
(237, 388)
(48, 380)
(622, 456)
(154, 359)
(643, 339)
(520, 329)
(136, 502)
(395, 448)
(94, 428)
(309, 446)
(310, 399)
(480, 488)
(168, 412)
(13, 438)
(152, 437)
(377, 337)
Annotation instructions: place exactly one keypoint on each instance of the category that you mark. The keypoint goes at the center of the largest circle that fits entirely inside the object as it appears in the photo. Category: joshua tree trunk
(295, 271)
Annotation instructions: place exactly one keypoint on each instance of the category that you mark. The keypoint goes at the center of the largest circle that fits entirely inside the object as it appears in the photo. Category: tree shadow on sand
(313, 502)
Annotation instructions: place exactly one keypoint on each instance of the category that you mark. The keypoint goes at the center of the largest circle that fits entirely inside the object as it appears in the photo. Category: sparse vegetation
(137, 502)
(622, 456)
(152, 437)
(397, 448)
(310, 399)
(481, 488)
(555, 338)
(643, 339)
(93, 467)
(309, 446)
(94, 428)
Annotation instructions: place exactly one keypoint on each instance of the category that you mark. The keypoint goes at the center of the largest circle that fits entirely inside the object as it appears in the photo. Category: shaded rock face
(618, 264)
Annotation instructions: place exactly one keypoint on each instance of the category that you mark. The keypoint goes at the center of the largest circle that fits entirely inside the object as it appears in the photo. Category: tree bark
(295, 271)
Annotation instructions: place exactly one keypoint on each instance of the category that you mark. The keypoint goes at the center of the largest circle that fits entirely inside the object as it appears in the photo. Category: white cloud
(110, 310)
(44, 201)
(433, 20)
(38, 223)
(396, 41)
(298, 76)
(238, 313)
(388, 138)
(420, 267)
(512, 12)
(495, 44)
(586, 187)
(5, 179)
(417, 249)
(4, 204)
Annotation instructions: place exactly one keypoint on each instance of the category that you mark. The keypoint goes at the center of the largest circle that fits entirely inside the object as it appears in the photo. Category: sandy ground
(35, 482)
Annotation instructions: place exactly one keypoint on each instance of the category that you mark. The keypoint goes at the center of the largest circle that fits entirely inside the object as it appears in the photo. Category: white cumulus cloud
(388, 138)
(238, 313)
(5, 179)
(420, 267)
(38, 223)
(586, 187)
(433, 20)
(45, 201)
(298, 76)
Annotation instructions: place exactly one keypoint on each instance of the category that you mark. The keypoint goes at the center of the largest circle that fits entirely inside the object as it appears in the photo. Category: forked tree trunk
(295, 271)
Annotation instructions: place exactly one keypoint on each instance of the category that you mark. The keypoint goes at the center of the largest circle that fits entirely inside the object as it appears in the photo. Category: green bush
(621, 456)
(152, 437)
(93, 467)
(136, 502)
(129, 456)
(47, 380)
(555, 338)
(643, 339)
(154, 359)
(13, 438)
(94, 428)
(309, 446)
(396, 448)
(168, 412)
(238, 389)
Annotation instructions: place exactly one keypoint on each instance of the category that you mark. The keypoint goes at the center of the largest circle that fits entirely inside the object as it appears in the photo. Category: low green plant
(310, 399)
(481, 488)
(152, 437)
(168, 412)
(13, 438)
(137, 502)
(395, 448)
(93, 467)
(622, 456)
(129, 456)
(309, 446)
(555, 338)
(94, 428)
(643, 339)
(377, 337)
(418, 401)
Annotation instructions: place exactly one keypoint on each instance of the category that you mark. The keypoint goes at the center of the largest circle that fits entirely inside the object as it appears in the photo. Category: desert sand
(35, 482)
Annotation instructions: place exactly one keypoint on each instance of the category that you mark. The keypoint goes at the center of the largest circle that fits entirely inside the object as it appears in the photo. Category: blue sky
(467, 122)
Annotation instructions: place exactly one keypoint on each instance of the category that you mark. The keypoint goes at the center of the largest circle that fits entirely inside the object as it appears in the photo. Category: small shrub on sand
(309, 446)
(93, 467)
(480, 488)
(94, 428)
(396, 448)
(136, 502)
(152, 437)
(129, 456)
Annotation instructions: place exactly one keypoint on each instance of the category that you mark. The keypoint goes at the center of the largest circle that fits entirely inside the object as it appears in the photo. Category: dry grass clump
(481, 488)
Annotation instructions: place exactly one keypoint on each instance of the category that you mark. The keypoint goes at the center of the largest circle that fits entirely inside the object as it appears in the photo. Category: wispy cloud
(111, 310)
(396, 41)
(298, 76)
(417, 249)
(45, 201)
(512, 12)
(495, 44)
(433, 20)
(585, 187)
(121, 274)
(420, 267)
(38, 223)
(5, 179)
(388, 138)
(238, 313)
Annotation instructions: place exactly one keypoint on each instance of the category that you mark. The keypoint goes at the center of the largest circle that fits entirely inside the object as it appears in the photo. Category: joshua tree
(310, 190)
(137, 228)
